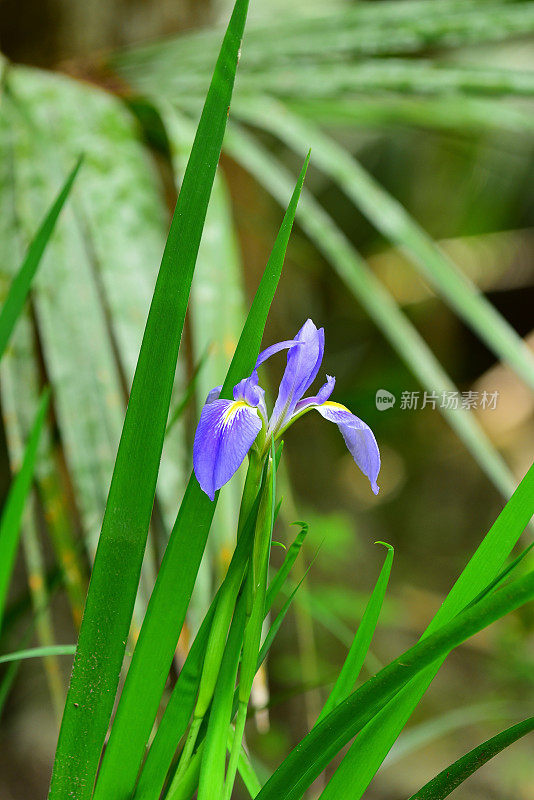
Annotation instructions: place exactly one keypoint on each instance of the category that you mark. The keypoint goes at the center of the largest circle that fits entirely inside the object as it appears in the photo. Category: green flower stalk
(256, 593)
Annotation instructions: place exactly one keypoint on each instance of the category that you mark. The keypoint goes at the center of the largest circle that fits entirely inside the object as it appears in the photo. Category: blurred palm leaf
(341, 57)
(93, 293)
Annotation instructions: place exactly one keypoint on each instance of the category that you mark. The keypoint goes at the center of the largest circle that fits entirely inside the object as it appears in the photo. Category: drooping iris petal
(225, 433)
(358, 437)
(302, 366)
(321, 397)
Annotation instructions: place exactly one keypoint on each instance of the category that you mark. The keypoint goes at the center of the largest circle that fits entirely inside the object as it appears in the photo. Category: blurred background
(419, 208)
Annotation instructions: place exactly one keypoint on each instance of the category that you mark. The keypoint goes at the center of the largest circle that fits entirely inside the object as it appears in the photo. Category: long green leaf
(374, 742)
(364, 29)
(213, 762)
(180, 706)
(362, 641)
(115, 575)
(21, 284)
(217, 315)
(450, 778)
(15, 503)
(166, 612)
(282, 574)
(317, 749)
(39, 652)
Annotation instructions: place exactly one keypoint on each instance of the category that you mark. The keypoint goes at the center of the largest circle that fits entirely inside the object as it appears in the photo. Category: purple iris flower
(228, 429)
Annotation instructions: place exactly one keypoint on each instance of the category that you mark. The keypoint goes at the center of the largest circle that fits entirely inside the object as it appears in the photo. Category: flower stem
(256, 590)
(187, 752)
(239, 731)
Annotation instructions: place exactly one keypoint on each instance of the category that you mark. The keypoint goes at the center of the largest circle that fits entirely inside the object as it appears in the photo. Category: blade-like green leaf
(506, 572)
(246, 770)
(291, 556)
(16, 500)
(39, 652)
(217, 315)
(377, 738)
(340, 36)
(115, 575)
(442, 113)
(182, 701)
(392, 219)
(416, 737)
(180, 706)
(21, 284)
(89, 347)
(362, 641)
(276, 625)
(213, 762)
(256, 589)
(166, 612)
(316, 750)
(450, 778)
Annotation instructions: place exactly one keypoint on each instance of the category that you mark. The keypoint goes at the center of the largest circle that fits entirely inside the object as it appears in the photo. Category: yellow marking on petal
(233, 410)
(332, 404)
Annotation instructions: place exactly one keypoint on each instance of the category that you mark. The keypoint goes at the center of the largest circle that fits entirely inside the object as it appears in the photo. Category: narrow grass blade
(342, 36)
(316, 750)
(376, 739)
(14, 507)
(291, 556)
(246, 770)
(472, 115)
(7, 682)
(44, 625)
(180, 708)
(453, 776)
(506, 572)
(362, 641)
(115, 575)
(21, 284)
(423, 734)
(166, 612)
(394, 222)
(376, 300)
(277, 624)
(217, 316)
(182, 701)
(213, 761)
(39, 652)
(256, 589)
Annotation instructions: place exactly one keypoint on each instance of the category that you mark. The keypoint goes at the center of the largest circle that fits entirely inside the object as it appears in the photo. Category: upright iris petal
(303, 364)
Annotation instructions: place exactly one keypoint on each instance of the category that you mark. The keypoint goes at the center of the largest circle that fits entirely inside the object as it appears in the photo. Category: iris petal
(275, 348)
(214, 394)
(225, 433)
(321, 397)
(302, 367)
(250, 391)
(358, 437)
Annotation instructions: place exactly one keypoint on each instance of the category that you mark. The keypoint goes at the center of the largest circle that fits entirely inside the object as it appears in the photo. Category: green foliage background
(420, 118)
